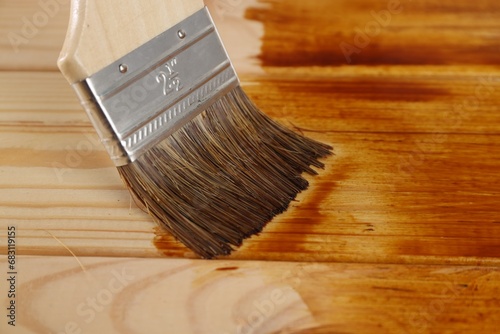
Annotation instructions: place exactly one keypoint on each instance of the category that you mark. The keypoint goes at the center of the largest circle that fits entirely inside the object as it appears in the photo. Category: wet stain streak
(333, 33)
(227, 269)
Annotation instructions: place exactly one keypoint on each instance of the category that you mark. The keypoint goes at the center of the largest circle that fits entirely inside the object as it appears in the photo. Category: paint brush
(194, 151)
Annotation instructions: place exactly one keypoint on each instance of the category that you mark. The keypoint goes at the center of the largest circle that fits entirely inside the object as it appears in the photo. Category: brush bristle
(223, 176)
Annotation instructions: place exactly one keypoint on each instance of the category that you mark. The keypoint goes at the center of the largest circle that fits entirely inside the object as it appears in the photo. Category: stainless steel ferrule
(144, 97)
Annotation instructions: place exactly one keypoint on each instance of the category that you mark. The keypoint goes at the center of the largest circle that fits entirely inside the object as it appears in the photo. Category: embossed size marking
(170, 80)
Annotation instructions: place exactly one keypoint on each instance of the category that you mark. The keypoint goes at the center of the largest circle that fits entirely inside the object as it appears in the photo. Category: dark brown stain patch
(227, 269)
(372, 89)
(315, 33)
(392, 289)
(290, 230)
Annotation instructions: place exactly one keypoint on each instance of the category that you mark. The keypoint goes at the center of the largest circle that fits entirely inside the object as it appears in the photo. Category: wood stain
(302, 34)
(408, 182)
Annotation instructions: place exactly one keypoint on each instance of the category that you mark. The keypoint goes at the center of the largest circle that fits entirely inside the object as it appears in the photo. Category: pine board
(407, 183)
(111, 295)
(400, 233)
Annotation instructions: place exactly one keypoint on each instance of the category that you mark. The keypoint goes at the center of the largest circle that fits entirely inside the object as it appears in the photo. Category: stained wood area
(414, 120)
(399, 234)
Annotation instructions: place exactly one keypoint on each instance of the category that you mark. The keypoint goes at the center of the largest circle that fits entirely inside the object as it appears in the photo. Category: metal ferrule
(144, 97)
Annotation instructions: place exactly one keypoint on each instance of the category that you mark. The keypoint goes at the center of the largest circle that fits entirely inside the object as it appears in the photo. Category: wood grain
(28, 47)
(379, 32)
(413, 180)
(80, 295)
(36, 48)
(412, 190)
(407, 184)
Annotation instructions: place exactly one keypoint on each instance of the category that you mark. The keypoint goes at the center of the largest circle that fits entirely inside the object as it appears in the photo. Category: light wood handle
(100, 32)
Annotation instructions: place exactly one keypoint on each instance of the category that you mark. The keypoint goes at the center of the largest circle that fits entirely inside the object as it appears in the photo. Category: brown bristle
(223, 176)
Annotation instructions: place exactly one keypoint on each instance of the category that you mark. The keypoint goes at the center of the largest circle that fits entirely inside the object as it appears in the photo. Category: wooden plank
(33, 32)
(414, 122)
(380, 32)
(389, 100)
(407, 184)
(415, 172)
(80, 295)
(382, 100)
(452, 32)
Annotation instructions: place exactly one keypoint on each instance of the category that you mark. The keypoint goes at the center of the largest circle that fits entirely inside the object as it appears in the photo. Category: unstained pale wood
(38, 49)
(109, 295)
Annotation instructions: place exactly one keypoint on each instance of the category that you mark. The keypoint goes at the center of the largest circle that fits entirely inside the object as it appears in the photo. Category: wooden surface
(126, 296)
(413, 115)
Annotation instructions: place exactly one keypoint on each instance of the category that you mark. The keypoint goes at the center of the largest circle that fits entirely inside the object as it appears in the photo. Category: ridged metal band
(144, 97)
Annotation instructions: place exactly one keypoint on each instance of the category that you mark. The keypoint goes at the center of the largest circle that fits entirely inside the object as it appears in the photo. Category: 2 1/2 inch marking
(171, 81)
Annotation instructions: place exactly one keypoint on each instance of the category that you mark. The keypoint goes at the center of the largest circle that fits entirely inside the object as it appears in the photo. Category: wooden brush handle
(102, 31)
